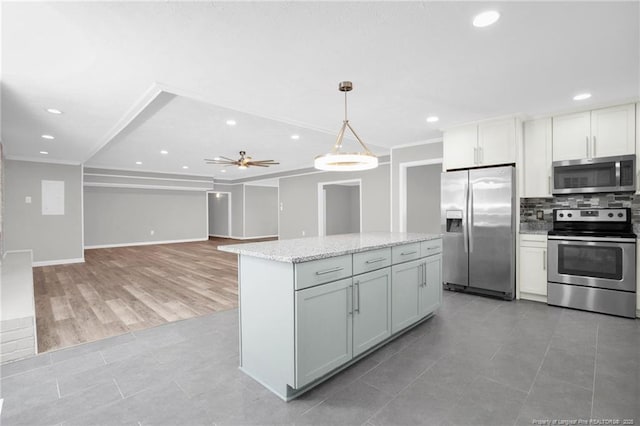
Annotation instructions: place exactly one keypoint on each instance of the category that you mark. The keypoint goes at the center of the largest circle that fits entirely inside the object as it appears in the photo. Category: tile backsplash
(531, 209)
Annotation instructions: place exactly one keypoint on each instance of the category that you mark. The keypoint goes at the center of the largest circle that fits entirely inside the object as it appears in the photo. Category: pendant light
(336, 160)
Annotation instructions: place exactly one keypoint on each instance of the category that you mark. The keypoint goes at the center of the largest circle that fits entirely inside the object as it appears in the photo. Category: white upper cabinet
(485, 144)
(571, 136)
(599, 133)
(537, 158)
(497, 142)
(460, 147)
(613, 131)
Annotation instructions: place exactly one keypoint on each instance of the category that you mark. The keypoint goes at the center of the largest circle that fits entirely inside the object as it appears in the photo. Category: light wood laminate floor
(122, 289)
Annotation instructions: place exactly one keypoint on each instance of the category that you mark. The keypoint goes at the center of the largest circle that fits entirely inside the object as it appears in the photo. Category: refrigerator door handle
(465, 225)
(470, 216)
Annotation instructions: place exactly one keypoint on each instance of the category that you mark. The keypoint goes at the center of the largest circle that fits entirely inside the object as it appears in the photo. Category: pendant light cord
(345, 106)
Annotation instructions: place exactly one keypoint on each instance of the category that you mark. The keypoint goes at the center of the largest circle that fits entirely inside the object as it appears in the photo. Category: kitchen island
(310, 307)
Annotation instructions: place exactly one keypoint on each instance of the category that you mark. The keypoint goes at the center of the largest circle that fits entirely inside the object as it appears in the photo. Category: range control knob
(620, 215)
(569, 215)
(610, 214)
(561, 214)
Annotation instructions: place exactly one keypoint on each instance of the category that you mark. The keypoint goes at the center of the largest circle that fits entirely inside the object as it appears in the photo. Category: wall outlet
(540, 214)
(304, 233)
(152, 232)
(27, 200)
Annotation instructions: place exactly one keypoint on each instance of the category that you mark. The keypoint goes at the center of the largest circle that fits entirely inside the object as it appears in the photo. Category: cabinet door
(537, 158)
(571, 136)
(533, 270)
(323, 329)
(613, 131)
(459, 147)
(638, 162)
(497, 142)
(405, 302)
(371, 309)
(431, 290)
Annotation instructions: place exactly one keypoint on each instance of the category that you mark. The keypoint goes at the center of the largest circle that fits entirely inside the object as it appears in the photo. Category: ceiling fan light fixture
(338, 161)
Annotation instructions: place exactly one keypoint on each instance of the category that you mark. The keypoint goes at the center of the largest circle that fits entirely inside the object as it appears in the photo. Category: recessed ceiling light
(44, 152)
(164, 152)
(185, 167)
(432, 119)
(138, 162)
(295, 137)
(47, 137)
(54, 111)
(231, 122)
(223, 171)
(485, 19)
(582, 96)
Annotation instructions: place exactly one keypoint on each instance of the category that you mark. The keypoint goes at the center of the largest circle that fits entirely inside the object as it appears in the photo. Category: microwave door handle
(618, 178)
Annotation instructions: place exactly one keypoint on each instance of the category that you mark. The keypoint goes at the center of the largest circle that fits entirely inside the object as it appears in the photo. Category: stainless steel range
(592, 261)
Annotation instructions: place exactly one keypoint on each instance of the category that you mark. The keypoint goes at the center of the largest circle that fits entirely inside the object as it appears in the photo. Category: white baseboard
(253, 238)
(534, 297)
(220, 236)
(57, 262)
(144, 243)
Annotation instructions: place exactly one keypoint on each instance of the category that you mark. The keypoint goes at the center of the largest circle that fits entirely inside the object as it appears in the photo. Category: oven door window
(590, 261)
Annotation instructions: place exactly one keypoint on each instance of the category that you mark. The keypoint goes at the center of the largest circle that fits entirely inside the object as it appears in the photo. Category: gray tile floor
(478, 361)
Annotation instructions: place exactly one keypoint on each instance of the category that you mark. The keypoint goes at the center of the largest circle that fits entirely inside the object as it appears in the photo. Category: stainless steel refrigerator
(478, 227)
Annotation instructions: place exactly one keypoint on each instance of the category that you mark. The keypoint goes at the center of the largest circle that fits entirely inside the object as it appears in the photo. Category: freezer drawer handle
(380, 259)
(328, 271)
(407, 253)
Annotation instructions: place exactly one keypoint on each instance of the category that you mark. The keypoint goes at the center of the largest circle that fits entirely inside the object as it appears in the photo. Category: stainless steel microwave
(604, 174)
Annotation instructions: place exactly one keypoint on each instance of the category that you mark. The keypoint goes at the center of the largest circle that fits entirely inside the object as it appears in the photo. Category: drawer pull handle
(380, 259)
(433, 248)
(407, 253)
(328, 271)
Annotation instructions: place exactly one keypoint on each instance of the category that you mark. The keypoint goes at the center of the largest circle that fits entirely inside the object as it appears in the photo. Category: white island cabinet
(310, 307)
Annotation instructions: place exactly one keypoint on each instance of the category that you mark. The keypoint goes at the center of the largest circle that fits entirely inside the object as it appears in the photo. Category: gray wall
(237, 206)
(127, 215)
(260, 211)
(299, 197)
(342, 207)
(52, 238)
(219, 214)
(427, 151)
(423, 198)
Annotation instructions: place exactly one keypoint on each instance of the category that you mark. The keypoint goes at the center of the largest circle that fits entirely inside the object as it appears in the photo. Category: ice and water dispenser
(454, 221)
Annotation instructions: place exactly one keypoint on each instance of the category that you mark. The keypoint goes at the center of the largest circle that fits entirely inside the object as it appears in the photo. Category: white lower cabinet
(371, 309)
(533, 267)
(323, 329)
(431, 290)
(416, 290)
(406, 281)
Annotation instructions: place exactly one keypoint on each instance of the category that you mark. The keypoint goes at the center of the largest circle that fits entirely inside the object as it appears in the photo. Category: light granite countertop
(313, 248)
(534, 231)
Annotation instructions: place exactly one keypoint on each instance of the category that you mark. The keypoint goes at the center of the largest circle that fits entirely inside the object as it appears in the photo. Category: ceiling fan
(243, 162)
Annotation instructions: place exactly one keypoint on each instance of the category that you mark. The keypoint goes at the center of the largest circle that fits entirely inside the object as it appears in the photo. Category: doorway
(339, 207)
(420, 196)
(219, 214)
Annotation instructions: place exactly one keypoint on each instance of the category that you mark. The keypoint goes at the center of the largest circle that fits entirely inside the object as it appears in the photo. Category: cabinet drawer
(428, 248)
(405, 252)
(371, 260)
(321, 271)
(533, 240)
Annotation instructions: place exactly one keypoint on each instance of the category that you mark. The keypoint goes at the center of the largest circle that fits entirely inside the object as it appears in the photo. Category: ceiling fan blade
(256, 165)
(228, 159)
(266, 162)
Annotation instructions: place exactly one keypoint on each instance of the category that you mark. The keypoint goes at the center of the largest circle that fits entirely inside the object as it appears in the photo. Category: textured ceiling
(276, 65)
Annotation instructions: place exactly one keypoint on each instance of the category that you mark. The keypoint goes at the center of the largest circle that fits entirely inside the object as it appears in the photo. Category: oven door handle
(596, 239)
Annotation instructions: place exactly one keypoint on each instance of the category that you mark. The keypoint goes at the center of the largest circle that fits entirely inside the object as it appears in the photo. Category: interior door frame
(229, 220)
(402, 202)
(322, 202)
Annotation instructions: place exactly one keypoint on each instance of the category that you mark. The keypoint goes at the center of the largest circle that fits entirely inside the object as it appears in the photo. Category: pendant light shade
(336, 160)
